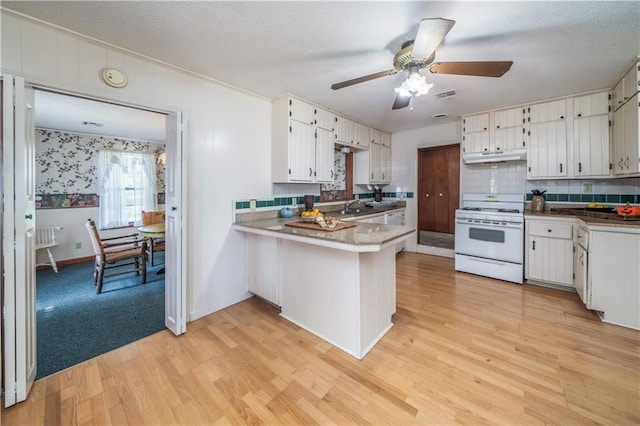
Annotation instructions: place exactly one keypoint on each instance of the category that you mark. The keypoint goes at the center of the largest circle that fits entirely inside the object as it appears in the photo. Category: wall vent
(440, 115)
(446, 95)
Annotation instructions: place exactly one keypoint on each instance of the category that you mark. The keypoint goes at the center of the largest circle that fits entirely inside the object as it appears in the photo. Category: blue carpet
(75, 324)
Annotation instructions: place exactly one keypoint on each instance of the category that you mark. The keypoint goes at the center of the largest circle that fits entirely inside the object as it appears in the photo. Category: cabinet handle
(549, 230)
(371, 175)
(28, 216)
(383, 176)
(560, 167)
(426, 195)
(562, 117)
(620, 163)
(581, 258)
(626, 163)
(440, 194)
(580, 167)
(533, 245)
(331, 174)
(310, 172)
(497, 127)
(579, 115)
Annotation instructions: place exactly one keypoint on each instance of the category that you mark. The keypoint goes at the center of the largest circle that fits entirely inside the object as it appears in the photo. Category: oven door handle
(481, 260)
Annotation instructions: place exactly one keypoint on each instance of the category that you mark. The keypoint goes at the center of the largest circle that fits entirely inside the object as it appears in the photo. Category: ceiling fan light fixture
(415, 84)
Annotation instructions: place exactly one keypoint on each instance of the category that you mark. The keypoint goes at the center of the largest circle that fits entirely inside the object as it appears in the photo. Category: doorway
(438, 196)
(68, 193)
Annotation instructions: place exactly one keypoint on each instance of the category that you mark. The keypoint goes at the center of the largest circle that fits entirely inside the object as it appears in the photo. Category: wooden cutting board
(316, 227)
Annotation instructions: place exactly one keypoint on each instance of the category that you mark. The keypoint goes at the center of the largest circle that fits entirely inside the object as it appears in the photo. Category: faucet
(348, 203)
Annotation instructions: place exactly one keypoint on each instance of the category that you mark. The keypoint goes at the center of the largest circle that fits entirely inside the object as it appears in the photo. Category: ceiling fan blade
(401, 101)
(430, 34)
(337, 86)
(482, 69)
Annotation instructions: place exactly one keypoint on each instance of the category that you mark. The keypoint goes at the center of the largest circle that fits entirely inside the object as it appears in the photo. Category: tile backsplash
(511, 177)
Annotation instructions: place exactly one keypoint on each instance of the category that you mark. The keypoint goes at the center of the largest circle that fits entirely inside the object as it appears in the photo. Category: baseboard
(66, 262)
(218, 306)
(435, 251)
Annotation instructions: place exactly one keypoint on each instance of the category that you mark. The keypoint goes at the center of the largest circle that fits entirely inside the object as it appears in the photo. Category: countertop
(365, 237)
(589, 220)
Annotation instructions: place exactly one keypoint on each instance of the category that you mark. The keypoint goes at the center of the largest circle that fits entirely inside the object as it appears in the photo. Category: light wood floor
(464, 349)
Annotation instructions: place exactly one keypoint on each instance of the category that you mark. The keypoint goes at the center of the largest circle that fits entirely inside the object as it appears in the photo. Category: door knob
(28, 216)
(426, 195)
(441, 194)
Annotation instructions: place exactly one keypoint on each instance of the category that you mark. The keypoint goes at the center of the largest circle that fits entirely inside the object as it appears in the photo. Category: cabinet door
(475, 123)
(262, 267)
(324, 155)
(324, 119)
(617, 95)
(631, 82)
(591, 146)
(548, 111)
(614, 270)
(631, 111)
(550, 260)
(362, 135)
(589, 105)
(344, 131)
(508, 138)
(512, 117)
(374, 136)
(476, 142)
(618, 143)
(385, 139)
(301, 151)
(301, 111)
(385, 164)
(375, 172)
(580, 258)
(547, 154)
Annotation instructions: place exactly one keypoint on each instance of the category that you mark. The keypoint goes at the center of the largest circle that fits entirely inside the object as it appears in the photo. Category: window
(126, 186)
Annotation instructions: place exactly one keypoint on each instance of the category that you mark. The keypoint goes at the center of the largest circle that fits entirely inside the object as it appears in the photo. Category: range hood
(494, 157)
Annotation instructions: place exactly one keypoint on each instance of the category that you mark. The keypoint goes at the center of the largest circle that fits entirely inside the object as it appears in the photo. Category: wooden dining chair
(155, 244)
(111, 251)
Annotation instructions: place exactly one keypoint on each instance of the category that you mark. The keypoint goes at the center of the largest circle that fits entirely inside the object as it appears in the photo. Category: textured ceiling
(272, 48)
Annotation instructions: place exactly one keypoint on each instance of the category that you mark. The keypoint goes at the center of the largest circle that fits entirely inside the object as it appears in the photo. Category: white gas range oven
(489, 236)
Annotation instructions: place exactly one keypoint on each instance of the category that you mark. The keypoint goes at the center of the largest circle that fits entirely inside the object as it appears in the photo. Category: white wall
(227, 142)
(404, 163)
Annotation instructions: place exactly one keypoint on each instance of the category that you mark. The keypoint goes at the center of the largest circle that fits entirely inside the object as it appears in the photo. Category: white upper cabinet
(591, 135)
(547, 150)
(361, 135)
(324, 119)
(301, 111)
(508, 130)
(548, 111)
(626, 138)
(475, 133)
(301, 152)
(628, 86)
(589, 105)
(373, 166)
(345, 131)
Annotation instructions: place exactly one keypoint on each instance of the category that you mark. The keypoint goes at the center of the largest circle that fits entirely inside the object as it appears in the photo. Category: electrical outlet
(587, 188)
(78, 245)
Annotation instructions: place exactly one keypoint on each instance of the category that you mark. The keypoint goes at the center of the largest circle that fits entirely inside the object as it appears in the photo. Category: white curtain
(126, 186)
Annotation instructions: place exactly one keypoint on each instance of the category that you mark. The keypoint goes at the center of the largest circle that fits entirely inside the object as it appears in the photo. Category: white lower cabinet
(549, 253)
(263, 273)
(614, 275)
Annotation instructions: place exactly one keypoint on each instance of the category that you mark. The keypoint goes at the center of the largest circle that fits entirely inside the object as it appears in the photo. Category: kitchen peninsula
(339, 285)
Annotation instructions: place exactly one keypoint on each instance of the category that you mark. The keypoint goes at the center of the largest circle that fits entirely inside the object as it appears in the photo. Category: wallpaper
(66, 166)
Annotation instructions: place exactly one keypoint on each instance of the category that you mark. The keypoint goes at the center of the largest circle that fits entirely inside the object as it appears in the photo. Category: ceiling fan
(420, 53)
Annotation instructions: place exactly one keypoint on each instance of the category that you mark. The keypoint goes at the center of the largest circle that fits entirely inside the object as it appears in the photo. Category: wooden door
(438, 188)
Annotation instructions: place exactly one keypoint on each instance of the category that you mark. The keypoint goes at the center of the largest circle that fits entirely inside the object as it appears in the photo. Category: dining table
(155, 230)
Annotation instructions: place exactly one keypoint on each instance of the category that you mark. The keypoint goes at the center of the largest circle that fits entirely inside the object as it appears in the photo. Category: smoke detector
(446, 95)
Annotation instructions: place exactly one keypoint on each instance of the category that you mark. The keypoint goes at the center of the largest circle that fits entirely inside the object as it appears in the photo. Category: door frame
(181, 207)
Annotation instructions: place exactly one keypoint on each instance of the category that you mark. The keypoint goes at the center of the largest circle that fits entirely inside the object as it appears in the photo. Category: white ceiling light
(414, 85)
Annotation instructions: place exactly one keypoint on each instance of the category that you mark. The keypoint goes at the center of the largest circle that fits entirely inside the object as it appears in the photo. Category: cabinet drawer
(551, 230)
(582, 237)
